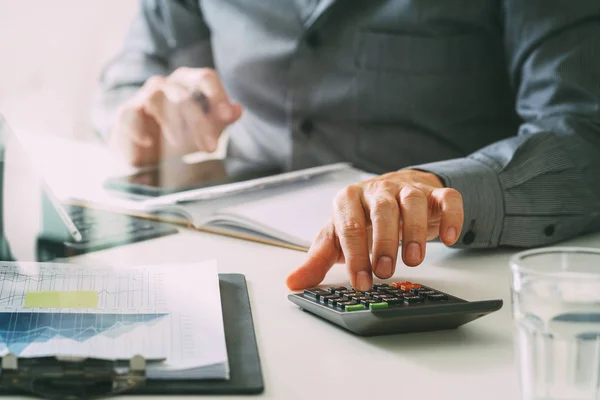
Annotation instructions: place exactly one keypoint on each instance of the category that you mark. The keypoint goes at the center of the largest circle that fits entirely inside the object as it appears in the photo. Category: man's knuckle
(384, 212)
(384, 242)
(384, 185)
(351, 227)
(154, 81)
(356, 260)
(181, 71)
(351, 191)
(457, 215)
(326, 233)
(411, 194)
(384, 204)
(156, 95)
(206, 73)
(346, 194)
(415, 230)
(451, 194)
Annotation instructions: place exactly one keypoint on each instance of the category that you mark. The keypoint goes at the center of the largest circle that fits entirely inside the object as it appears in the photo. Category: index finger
(322, 255)
(351, 227)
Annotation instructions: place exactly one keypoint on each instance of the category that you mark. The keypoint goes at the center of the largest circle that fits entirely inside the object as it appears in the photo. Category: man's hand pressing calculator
(401, 307)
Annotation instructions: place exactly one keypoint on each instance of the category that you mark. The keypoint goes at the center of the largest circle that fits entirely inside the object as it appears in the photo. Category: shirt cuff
(483, 199)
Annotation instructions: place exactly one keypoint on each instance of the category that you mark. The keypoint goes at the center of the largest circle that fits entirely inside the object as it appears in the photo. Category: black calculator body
(402, 307)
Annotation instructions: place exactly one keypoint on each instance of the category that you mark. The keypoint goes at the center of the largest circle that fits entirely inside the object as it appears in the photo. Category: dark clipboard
(242, 350)
(244, 361)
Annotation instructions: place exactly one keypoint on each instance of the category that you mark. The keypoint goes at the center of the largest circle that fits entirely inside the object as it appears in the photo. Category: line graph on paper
(122, 291)
(48, 309)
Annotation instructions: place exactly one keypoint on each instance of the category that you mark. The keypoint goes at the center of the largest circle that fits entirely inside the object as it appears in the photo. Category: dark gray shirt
(501, 99)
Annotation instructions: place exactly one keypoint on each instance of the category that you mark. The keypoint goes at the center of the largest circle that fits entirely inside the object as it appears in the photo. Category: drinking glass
(556, 310)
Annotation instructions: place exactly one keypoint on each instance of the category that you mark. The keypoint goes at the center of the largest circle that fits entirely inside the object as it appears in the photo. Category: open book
(288, 212)
(288, 215)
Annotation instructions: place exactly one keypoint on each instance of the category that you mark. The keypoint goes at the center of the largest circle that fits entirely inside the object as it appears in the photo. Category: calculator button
(369, 301)
(333, 289)
(356, 294)
(356, 307)
(380, 286)
(382, 297)
(392, 301)
(361, 298)
(413, 299)
(437, 297)
(344, 304)
(343, 292)
(406, 285)
(328, 299)
(315, 293)
(375, 306)
(392, 291)
(426, 292)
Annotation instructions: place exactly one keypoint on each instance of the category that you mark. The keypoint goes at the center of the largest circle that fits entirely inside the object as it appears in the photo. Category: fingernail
(363, 281)
(224, 111)
(451, 234)
(413, 253)
(384, 267)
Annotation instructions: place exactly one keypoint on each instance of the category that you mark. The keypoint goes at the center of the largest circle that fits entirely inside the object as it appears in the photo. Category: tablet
(175, 177)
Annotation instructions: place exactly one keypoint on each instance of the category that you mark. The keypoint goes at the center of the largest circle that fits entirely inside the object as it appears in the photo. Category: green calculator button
(356, 307)
(375, 306)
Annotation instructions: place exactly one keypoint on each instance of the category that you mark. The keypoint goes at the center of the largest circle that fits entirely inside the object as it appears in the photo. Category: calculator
(400, 307)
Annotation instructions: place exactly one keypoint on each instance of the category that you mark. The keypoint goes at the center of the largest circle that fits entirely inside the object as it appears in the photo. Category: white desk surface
(303, 357)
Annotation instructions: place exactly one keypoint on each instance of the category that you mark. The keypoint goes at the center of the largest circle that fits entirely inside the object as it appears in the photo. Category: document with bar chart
(115, 313)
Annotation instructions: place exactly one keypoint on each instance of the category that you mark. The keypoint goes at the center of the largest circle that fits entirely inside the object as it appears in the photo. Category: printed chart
(87, 290)
(70, 310)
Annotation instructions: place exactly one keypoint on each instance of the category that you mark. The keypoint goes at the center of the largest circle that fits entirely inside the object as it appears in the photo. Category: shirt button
(307, 127)
(469, 237)
(549, 230)
(313, 40)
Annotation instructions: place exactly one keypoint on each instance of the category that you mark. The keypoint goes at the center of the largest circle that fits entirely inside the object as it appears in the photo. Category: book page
(293, 214)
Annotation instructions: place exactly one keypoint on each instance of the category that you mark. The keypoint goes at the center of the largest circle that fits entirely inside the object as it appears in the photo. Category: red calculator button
(399, 284)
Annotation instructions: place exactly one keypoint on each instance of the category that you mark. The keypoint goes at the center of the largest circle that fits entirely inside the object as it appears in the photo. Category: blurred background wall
(51, 54)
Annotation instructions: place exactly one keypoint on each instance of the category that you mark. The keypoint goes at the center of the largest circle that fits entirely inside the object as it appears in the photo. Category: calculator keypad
(381, 296)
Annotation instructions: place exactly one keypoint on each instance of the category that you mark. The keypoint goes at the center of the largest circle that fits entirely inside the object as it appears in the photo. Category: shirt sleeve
(543, 185)
(164, 35)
